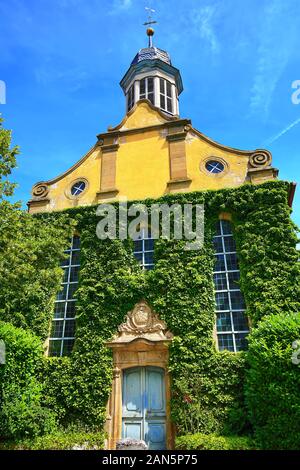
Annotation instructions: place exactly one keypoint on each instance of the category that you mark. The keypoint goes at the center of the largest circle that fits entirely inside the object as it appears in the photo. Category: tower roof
(152, 53)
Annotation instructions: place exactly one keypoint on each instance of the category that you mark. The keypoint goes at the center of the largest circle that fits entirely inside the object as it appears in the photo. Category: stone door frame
(142, 341)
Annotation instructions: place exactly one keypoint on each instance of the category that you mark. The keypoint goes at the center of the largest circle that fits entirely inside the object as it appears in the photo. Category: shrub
(21, 410)
(273, 383)
(60, 441)
(213, 442)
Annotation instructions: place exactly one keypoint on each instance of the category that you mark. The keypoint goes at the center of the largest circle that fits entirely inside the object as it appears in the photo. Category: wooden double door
(144, 406)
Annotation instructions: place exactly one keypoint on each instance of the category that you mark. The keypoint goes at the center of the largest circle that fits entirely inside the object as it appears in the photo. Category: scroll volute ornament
(142, 323)
(40, 190)
(260, 159)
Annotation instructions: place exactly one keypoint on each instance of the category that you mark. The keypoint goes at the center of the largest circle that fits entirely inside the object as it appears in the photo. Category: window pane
(59, 310)
(75, 257)
(241, 341)
(233, 279)
(69, 329)
(62, 295)
(169, 105)
(57, 329)
(226, 342)
(74, 274)
(72, 289)
(76, 242)
(150, 85)
(222, 301)
(220, 263)
(54, 348)
(232, 264)
(229, 244)
(218, 245)
(237, 300)
(149, 245)
(162, 102)
(224, 322)
(70, 312)
(162, 86)
(149, 258)
(65, 262)
(169, 90)
(138, 245)
(240, 321)
(143, 88)
(220, 281)
(226, 227)
(151, 97)
(68, 346)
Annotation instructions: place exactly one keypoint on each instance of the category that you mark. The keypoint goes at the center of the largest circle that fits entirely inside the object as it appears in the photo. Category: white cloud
(203, 21)
(278, 37)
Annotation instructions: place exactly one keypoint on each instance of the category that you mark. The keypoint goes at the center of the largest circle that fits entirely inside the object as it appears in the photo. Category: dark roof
(151, 53)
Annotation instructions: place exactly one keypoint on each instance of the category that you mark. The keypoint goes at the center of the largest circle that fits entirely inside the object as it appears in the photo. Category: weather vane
(151, 21)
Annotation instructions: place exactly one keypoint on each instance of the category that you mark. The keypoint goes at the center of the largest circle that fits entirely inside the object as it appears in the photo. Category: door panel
(132, 393)
(144, 406)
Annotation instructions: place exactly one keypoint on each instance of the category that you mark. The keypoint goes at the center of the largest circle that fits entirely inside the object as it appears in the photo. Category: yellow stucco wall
(143, 164)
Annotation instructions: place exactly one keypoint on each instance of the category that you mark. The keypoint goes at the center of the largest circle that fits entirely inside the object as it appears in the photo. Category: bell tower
(151, 76)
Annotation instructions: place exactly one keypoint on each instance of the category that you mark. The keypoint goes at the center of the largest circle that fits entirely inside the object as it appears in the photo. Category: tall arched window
(232, 323)
(144, 249)
(62, 335)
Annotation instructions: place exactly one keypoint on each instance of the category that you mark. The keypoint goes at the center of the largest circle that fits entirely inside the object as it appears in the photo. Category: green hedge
(21, 393)
(273, 382)
(60, 441)
(213, 442)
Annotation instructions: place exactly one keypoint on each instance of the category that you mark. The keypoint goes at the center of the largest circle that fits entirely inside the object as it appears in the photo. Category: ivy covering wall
(207, 385)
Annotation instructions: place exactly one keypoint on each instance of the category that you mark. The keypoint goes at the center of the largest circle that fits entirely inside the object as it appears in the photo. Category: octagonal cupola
(151, 76)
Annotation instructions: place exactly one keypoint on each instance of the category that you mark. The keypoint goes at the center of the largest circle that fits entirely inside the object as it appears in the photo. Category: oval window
(213, 166)
(78, 188)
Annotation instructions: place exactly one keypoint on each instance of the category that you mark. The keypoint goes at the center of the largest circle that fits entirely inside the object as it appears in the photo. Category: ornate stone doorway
(142, 341)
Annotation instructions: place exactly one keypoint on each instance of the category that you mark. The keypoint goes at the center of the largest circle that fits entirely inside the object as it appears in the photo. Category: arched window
(62, 335)
(232, 323)
(144, 249)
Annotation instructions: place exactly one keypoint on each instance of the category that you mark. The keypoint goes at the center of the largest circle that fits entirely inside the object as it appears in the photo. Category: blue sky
(62, 61)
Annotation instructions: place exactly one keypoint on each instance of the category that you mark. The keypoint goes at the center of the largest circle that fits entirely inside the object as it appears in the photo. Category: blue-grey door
(144, 406)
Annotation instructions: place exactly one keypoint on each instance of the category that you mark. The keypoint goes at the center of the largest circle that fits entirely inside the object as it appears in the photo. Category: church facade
(151, 324)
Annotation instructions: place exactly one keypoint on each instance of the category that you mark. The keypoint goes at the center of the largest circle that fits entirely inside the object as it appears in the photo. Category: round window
(78, 188)
(213, 166)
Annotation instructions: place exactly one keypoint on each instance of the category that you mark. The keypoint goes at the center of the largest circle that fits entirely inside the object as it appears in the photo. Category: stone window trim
(215, 158)
(68, 190)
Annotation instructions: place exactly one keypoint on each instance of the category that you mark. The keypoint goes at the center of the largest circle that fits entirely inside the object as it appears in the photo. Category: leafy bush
(61, 440)
(273, 383)
(213, 442)
(21, 410)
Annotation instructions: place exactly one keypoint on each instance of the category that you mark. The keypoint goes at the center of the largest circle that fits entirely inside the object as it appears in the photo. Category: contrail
(276, 137)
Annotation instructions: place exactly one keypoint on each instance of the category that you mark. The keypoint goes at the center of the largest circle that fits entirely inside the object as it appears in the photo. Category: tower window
(147, 89)
(165, 92)
(130, 102)
(62, 335)
(144, 249)
(232, 323)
